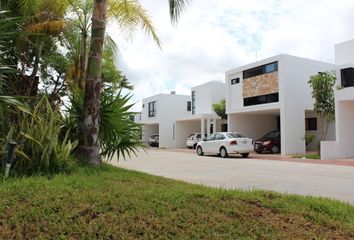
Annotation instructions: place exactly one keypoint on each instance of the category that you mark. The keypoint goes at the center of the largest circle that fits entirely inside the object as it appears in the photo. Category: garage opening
(257, 124)
(149, 130)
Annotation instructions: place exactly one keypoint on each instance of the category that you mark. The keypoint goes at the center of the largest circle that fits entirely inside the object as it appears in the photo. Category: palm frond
(176, 8)
(130, 15)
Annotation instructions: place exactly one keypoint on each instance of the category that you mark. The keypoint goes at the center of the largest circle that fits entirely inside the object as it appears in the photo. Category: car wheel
(223, 152)
(245, 155)
(194, 146)
(200, 151)
(275, 149)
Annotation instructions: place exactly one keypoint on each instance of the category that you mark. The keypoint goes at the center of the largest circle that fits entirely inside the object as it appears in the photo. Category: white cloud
(216, 35)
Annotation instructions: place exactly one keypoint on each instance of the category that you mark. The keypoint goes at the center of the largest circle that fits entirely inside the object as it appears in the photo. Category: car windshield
(191, 135)
(272, 134)
(235, 135)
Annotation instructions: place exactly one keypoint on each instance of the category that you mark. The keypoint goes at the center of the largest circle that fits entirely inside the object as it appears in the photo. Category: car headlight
(266, 143)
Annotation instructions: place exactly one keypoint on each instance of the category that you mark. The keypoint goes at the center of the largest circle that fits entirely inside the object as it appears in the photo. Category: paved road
(287, 177)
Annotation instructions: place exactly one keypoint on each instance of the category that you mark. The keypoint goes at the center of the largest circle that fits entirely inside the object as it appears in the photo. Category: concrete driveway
(235, 172)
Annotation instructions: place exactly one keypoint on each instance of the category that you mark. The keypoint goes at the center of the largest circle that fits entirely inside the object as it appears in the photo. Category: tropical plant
(119, 134)
(309, 138)
(89, 138)
(322, 86)
(42, 149)
(220, 109)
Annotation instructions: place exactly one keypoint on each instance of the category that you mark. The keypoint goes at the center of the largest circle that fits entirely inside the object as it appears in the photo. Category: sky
(213, 36)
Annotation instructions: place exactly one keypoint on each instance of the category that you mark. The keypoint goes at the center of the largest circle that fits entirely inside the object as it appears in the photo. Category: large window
(193, 102)
(267, 68)
(270, 98)
(152, 109)
(347, 76)
(311, 124)
(189, 106)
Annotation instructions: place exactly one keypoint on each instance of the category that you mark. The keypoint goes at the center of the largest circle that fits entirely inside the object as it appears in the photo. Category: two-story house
(274, 94)
(343, 147)
(158, 116)
(202, 119)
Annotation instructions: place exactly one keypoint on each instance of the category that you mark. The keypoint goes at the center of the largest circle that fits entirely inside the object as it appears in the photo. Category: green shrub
(119, 134)
(42, 148)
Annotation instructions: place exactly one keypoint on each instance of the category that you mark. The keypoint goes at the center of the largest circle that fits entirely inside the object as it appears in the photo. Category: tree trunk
(83, 59)
(89, 148)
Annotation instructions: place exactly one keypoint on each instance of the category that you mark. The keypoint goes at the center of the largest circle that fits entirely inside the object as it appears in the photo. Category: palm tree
(89, 147)
(129, 15)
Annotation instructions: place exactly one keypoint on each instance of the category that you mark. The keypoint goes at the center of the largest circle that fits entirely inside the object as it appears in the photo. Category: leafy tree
(322, 86)
(220, 109)
(89, 146)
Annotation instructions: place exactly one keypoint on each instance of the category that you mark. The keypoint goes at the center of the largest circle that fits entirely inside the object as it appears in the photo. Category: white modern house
(175, 117)
(158, 116)
(343, 147)
(274, 94)
(202, 119)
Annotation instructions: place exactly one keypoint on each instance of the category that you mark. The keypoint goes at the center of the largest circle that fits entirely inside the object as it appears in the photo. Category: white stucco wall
(168, 108)
(208, 94)
(295, 97)
(344, 52)
(251, 125)
(183, 130)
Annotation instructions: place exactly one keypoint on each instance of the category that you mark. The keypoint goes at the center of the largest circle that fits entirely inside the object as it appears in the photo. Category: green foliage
(220, 109)
(322, 86)
(43, 149)
(309, 138)
(110, 74)
(118, 133)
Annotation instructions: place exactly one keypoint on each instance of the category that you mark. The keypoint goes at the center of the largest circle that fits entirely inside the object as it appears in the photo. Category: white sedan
(225, 143)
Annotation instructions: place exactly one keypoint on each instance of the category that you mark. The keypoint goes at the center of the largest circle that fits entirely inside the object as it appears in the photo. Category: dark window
(270, 98)
(235, 135)
(219, 136)
(193, 102)
(311, 124)
(211, 137)
(152, 109)
(143, 105)
(268, 68)
(235, 81)
(347, 76)
(189, 106)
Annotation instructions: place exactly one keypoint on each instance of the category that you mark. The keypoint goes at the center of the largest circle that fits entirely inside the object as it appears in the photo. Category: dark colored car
(269, 142)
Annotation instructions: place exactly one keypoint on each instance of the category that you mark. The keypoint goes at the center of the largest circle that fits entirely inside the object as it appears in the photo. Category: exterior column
(202, 131)
(215, 129)
(208, 126)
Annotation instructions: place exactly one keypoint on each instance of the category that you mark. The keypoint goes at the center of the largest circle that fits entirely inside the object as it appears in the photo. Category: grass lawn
(309, 156)
(111, 203)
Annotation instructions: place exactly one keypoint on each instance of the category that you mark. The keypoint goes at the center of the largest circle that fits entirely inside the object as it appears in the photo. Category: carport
(254, 124)
(201, 123)
(148, 130)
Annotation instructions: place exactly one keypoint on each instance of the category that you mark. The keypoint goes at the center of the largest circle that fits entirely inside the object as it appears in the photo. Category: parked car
(153, 140)
(225, 143)
(193, 139)
(269, 142)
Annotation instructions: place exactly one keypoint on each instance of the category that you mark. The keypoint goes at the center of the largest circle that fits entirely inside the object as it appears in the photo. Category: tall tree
(89, 147)
(322, 86)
